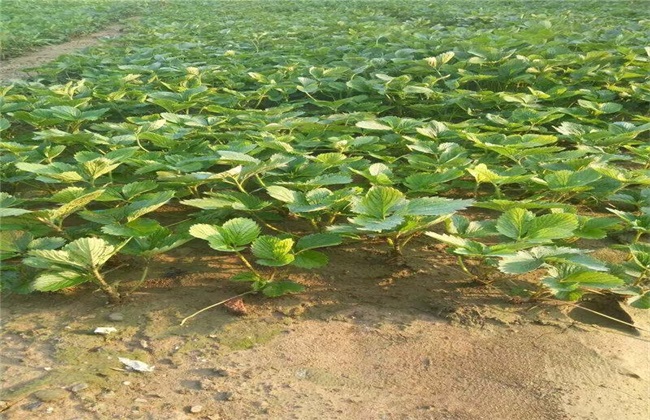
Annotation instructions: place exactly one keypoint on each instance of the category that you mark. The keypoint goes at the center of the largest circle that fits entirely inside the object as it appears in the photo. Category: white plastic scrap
(136, 365)
(105, 330)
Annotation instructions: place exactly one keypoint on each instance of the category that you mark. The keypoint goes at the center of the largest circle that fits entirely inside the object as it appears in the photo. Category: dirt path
(366, 341)
(18, 67)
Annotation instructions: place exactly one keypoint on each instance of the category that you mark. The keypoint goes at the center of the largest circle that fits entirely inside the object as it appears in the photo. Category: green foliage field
(25, 24)
(361, 119)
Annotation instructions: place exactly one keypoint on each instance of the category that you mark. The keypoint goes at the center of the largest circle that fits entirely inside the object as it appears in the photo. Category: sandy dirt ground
(367, 340)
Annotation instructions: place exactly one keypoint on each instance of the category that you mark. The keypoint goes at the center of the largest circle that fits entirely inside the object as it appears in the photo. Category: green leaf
(98, 167)
(521, 262)
(482, 174)
(233, 200)
(641, 301)
(139, 187)
(67, 194)
(139, 227)
(552, 226)
(67, 113)
(157, 241)
(231, 237)
(272, 251)
(6, 202)
(452, 240)
(310, 259)
(214, 236)
(280, 288)
(372, 224)
(529, 260)
(204, 231)
(47, 259)
(308, 85)
(431, 182)
(571, 181)
(593, 279)
(564, 291)
(240, 231)
(283, 194)
(318, 240)
(610, 107)
(91, 252)
(74, 205)
(514, 223)
(379, 202)
(147, 205)
(51, 282)
(15, 242)
(237, 157)
(595, 227)
(435, 206)
(7, 212)
(94, 114)
(211, 203)
(373, 125)
(48, 242)
(466, 228)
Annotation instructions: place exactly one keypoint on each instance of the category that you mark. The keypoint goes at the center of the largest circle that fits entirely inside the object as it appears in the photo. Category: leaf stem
(143, 278)
(273, 228)
(113, 295)
(462, 265)
(250, 292)
(247, 264)
(56, 227)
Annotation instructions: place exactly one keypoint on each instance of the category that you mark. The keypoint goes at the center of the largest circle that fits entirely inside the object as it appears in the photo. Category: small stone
(104, 330)
(196, 409)
(3, 404)
(32, 406)
(49, 410)
(140, 401)
(126, 383)
(99, 407)
(79, 386)
(116, 317)
(50, 395)
(224, 396)
(144, 344)
(207, 385)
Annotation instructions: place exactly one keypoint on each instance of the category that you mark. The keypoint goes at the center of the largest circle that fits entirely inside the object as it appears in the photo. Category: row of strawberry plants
(362, 123)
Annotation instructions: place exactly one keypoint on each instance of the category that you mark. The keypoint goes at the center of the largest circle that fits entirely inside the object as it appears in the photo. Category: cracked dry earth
(367, 340)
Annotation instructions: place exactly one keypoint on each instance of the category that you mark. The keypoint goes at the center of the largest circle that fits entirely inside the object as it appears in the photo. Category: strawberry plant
(271, 251)
(385, 212)
(237, 234)
(77, 262)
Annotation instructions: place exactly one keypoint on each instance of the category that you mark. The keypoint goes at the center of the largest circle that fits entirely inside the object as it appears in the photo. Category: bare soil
(367, 340)
(19, 67)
